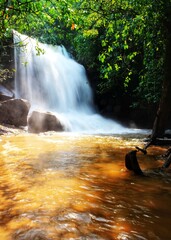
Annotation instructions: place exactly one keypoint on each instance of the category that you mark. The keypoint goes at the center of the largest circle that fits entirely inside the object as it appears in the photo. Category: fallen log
(158, 141)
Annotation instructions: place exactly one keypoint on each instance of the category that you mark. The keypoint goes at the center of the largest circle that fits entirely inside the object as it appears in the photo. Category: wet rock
(30, 234)
(14, 112)
(43, 122)
(5, 94)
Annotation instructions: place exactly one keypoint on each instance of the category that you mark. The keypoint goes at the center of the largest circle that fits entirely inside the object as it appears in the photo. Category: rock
(131, 162)
(14, 112)
(5, 94)
(43, 122)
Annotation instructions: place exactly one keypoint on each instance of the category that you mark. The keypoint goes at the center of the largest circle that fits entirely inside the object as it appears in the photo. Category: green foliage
(5, 73)
(122, 41)
(129, 39)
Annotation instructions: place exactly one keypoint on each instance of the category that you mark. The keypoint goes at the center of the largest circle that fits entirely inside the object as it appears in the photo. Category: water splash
(52, 81)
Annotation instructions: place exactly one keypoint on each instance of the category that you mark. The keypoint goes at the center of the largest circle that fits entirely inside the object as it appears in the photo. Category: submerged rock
(14, 112)
(43, 122)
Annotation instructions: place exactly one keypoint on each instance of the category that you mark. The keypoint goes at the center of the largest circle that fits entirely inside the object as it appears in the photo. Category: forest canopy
(122, 43)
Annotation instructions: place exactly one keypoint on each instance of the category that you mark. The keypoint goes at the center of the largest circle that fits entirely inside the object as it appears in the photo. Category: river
(75, 187)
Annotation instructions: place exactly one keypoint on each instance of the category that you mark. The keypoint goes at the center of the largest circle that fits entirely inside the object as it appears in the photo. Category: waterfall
(52, 81)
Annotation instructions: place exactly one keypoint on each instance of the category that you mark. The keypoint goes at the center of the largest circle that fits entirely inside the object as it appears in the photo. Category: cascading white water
(50, 80)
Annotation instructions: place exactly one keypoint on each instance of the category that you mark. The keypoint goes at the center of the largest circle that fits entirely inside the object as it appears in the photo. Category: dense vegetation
(122, 43)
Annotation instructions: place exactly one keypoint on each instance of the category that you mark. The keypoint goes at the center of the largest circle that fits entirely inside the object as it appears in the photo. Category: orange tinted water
(66, 186)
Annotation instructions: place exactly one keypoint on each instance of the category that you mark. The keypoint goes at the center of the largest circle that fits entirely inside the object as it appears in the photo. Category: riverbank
(6, 129)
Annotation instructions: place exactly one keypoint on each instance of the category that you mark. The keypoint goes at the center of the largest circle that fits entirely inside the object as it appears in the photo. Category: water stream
(75, 187)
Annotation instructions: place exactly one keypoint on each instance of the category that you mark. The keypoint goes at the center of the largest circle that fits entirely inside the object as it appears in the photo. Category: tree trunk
(164, 109)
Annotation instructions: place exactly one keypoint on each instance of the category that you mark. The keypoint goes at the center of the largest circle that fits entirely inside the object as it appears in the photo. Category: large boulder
(14, 112)
(43, 122)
